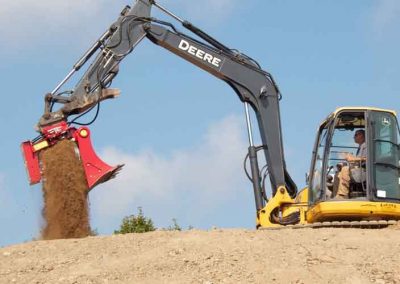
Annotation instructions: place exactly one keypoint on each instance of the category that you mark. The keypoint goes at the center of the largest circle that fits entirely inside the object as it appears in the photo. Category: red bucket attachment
(96, 170)
(31, 162)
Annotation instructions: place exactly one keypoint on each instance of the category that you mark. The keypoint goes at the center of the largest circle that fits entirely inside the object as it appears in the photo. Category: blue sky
(180, 131)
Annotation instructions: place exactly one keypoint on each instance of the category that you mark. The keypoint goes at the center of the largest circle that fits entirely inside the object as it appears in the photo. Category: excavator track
(341, 224)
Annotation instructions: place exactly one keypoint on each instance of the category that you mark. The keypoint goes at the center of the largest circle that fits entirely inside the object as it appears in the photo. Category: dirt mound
(326, 255)
(65, 193)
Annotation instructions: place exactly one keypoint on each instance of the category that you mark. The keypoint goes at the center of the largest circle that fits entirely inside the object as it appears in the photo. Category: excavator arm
(250, 83)
(254, 86)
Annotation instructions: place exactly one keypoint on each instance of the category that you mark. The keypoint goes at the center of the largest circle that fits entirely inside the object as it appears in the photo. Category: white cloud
(385, 16)
(192, 180)
(27, 22)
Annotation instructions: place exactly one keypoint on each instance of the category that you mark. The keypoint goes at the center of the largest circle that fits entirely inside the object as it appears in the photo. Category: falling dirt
(65, 193)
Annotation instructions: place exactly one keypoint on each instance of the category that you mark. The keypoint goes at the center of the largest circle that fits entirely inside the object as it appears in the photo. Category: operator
(336, 179)
(344, 175)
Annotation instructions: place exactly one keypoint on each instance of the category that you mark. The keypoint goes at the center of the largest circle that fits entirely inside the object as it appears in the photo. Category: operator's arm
(360, 156)
(351, 158)
(355, 159)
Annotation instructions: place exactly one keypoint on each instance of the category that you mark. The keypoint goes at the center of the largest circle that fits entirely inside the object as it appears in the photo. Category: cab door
(384, 149)
(317, 176)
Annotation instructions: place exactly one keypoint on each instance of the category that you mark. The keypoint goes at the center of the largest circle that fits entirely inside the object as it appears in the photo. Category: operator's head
(359, 136)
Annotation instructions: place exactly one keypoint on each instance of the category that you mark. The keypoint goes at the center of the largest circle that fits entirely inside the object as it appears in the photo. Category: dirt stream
(65, 193)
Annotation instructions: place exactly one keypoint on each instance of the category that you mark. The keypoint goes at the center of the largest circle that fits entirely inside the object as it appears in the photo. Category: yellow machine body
(366, 206)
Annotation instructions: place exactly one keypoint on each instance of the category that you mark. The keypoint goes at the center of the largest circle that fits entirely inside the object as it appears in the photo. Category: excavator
(373, 198)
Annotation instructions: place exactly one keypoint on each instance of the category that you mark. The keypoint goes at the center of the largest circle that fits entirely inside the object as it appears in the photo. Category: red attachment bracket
(96, 170)
(54, 131)
(31, 161)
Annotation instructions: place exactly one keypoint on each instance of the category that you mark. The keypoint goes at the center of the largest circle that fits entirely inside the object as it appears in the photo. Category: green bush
(175, 226)
(136, 224)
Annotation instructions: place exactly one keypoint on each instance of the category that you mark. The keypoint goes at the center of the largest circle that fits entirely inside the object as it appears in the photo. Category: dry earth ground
(326, 255)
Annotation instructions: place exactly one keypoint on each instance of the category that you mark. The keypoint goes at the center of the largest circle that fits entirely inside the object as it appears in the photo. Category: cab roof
(362, 109)
(341, 109)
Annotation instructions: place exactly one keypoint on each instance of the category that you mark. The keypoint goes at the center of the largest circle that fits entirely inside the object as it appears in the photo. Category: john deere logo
(385, 121)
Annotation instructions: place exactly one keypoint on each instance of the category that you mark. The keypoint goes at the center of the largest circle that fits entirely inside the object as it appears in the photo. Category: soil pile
(326, 255)
(65, 193)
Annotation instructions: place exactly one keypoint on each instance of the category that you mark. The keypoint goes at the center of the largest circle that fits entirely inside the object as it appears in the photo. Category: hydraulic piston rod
(255, 170)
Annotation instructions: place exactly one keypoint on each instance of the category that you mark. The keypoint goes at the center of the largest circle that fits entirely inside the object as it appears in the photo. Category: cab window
(343, 144)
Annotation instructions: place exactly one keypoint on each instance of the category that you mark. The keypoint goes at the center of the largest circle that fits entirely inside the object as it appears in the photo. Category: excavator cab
(373, 191)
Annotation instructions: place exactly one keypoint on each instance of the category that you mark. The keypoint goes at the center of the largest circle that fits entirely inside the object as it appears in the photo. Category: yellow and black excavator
(373, 194)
